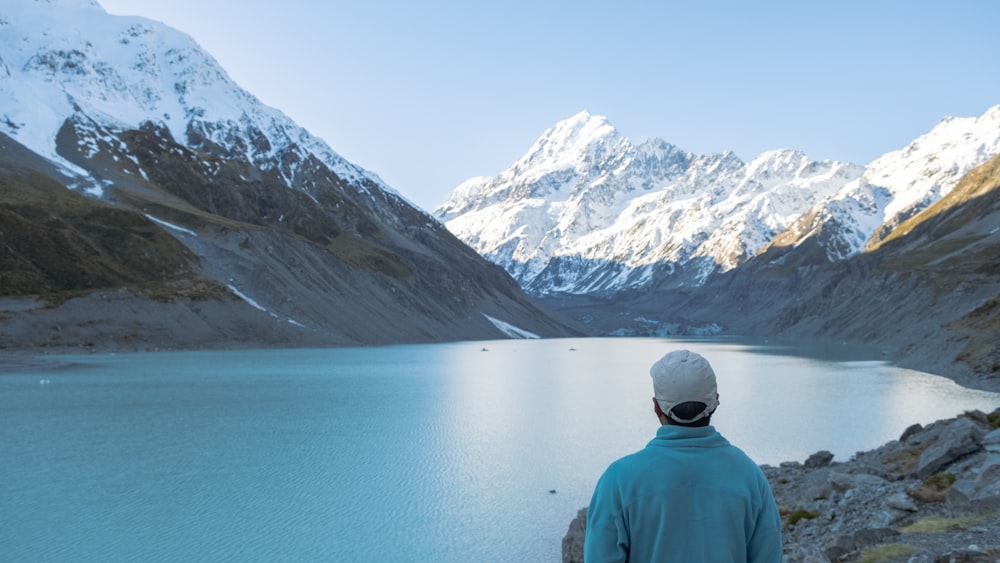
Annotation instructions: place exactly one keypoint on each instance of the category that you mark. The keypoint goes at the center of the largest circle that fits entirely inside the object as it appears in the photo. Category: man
(689, 496)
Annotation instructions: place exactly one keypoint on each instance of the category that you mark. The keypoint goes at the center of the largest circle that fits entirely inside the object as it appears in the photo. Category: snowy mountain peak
(63, 59)
(586, 210)
(577, 131)
(570, 143)
(779, 158)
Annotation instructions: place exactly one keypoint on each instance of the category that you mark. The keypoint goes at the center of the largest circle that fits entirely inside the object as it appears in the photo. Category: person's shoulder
(739, 456)
(626, 463)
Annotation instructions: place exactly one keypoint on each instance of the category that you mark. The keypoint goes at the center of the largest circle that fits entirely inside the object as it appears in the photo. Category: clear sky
(427, 94)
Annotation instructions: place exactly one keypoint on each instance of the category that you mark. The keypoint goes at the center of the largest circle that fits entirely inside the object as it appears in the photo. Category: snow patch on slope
(510, 330)
(172, 226)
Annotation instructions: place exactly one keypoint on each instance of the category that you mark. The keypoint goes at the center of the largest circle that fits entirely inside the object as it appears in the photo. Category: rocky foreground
(931, 496)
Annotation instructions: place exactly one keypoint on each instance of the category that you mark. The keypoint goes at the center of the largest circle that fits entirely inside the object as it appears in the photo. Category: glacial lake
(472, 451)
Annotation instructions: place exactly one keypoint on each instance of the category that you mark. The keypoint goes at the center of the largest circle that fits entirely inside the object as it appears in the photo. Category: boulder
(901, 501)
(978, 416)
(980, 492)
(921, 437)
(843, 482)
(572, 543)
(819, 459)
(961, 437)
(991, 441)
(968, 556)
(910, 431)
(815, 484)
(846, 545)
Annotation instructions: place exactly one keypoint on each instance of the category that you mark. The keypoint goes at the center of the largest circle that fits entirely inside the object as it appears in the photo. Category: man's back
(689, 495)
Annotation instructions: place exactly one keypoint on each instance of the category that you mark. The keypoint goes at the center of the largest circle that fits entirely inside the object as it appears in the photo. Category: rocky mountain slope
(149, 201)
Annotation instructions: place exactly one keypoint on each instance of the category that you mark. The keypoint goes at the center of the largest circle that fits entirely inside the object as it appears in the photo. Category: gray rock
(960, 494)
(846, 545)
(816, 484)
(980, 491)
(811, 554)
(572, 543)
(901, 501)
(991, 441)
(819, 459)
(843, 482)
(978, 416)
(965, 556)
(926, 435)
(959, 438)
(910, 431)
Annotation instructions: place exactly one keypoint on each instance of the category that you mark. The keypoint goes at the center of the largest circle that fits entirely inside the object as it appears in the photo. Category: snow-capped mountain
(586, 210)
(196, 188)
(651, 240)
(64, 59)
(896, 186)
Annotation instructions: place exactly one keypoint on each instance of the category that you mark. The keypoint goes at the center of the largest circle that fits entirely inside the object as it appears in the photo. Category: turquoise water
(410, 453)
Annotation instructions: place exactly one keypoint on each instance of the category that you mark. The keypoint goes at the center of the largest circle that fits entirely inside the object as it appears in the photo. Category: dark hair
(688, 411)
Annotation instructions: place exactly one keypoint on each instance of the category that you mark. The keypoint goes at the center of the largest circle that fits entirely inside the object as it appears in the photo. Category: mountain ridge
(598, 218)
(653, 209)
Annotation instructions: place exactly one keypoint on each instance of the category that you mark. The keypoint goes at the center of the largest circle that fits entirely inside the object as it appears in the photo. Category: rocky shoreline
(931, 496)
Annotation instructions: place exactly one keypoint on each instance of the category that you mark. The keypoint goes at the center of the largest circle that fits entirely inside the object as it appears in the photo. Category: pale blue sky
(427, 94)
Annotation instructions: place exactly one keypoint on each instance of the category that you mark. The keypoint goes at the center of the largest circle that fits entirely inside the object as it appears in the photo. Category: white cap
(683, 376)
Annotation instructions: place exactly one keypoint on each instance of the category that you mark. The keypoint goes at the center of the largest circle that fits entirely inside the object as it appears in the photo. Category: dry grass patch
(934, 488)
(886, 552)
(940, 525)
(794, 517)
(904, 461)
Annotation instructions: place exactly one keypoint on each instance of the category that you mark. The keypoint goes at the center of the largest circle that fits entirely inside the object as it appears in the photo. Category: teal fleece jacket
(688, 496)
